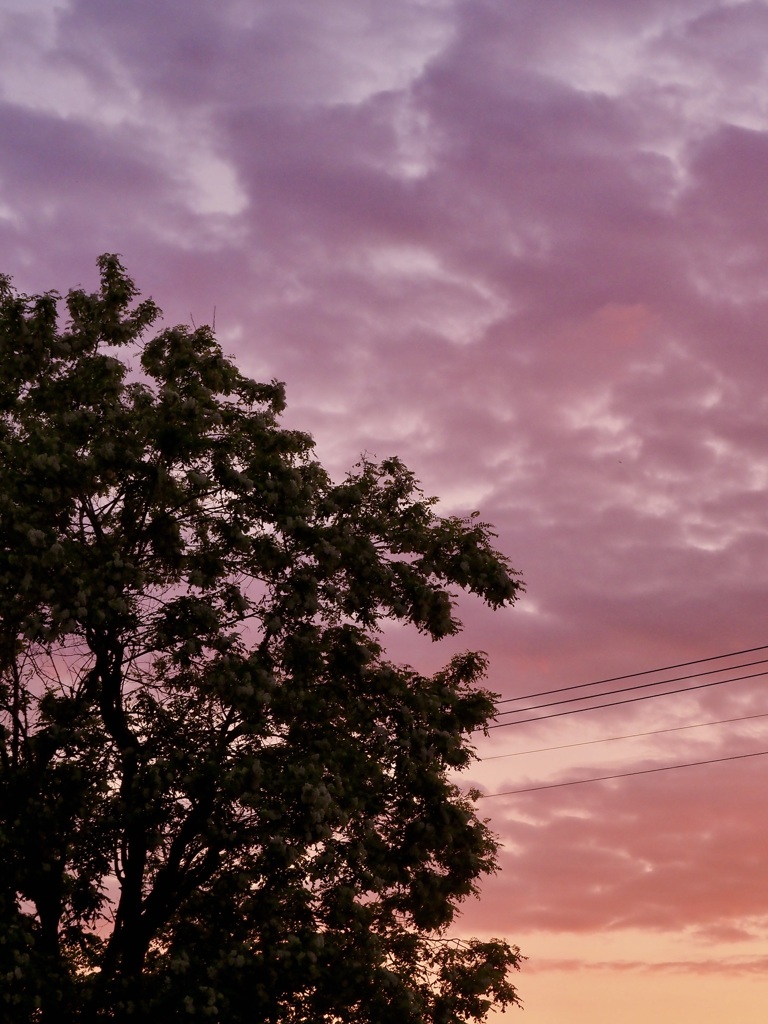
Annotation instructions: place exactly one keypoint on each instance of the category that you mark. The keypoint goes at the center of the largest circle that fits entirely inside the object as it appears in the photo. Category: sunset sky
(522, 244)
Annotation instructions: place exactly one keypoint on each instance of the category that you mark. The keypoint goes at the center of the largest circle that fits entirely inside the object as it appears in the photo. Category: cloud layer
(522, 246)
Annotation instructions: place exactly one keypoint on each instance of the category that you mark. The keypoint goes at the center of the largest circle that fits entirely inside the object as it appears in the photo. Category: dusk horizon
(521, 245)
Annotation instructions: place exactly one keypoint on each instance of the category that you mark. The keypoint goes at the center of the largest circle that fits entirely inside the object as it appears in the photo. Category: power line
(634, 675)
(628, 700)
(628, 736)
(623, 775)
(637, 686)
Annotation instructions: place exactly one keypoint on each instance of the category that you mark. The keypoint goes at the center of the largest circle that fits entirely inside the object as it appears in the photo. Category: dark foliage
(218, 799)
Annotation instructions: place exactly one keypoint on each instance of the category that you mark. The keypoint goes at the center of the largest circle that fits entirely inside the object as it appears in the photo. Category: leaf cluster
(218, 798)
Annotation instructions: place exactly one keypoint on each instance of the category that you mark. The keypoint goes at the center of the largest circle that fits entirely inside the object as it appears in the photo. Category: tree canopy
(218, 799)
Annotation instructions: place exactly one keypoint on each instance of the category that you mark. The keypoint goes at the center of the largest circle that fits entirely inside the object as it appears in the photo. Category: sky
(521, 244)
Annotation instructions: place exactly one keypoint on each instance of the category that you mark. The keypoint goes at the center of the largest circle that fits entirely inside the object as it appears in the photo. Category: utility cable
(628, 700)
(637, 686)
(628, 736)
(623, 775)
(634, 675)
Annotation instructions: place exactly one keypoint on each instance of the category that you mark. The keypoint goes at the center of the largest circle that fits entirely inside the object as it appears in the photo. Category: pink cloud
(523, 246)
(730, 966)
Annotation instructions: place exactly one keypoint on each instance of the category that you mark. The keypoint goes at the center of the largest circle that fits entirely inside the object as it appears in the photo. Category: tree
(218, 799)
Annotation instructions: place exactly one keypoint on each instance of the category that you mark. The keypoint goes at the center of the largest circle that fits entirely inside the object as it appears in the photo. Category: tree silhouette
(218, 799)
